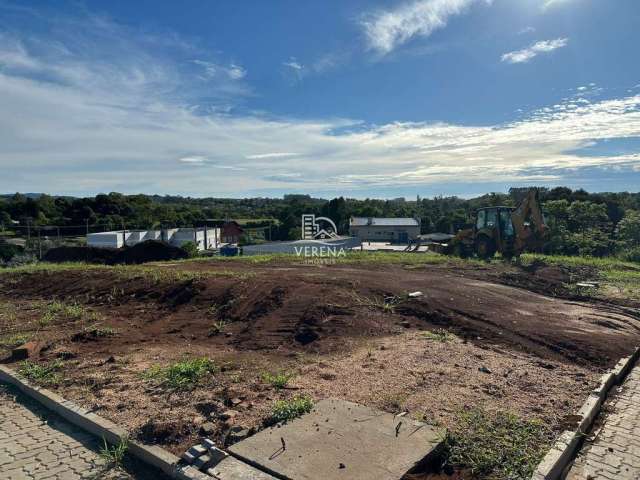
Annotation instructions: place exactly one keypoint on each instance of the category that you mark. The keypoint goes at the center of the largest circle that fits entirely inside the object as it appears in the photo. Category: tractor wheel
(460, 250)
(485, 248)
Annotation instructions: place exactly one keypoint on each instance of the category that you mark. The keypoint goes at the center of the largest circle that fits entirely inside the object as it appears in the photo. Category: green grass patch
(183, 375)
(156, 273)
(622, 276)
(496, 445)
(277, 380)
(12, 340)
(438, 335)
(285, 410)
(47, 374)
(98, 331)
(600, 263)
(113, 455)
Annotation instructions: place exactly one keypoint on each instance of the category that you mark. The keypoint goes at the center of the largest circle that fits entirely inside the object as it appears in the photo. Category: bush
(632, 255)
(8, 251)
(191, 248)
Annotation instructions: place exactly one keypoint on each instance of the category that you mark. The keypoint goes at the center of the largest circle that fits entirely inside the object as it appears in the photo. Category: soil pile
(81, 254)
(149, 251)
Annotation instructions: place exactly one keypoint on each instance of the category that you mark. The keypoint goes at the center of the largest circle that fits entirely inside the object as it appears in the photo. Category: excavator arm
(529, 224)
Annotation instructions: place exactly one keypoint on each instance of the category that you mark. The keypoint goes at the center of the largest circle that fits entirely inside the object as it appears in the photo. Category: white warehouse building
(204, 238)
(371, 229)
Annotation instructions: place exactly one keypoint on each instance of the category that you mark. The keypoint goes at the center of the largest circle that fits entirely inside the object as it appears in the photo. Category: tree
(628, 231)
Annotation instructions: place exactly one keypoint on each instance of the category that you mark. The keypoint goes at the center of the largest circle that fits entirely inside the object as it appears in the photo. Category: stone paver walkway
(614, 452)
(35, 444)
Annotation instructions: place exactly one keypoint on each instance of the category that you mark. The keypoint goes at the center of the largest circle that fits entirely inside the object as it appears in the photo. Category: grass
(56, 310)
(612, 272)
(277, 380)
(496, 445)
(183, 375)
(286, 410)
(438, 335)
(14, 339)
(218, 327)
(113, 455)
(392, 402)
(47, 374)
(98, 331)
(384, 304)
(154, 273)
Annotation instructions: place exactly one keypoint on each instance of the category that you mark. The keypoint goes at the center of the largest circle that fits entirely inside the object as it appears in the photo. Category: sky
(356, 98)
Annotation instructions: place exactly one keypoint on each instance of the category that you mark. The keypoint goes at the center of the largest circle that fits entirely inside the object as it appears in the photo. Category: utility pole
(39, 245)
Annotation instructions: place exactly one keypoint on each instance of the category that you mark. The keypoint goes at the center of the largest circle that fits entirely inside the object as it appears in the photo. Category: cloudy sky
(335, 97)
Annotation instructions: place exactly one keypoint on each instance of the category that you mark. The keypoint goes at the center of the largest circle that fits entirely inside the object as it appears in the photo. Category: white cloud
(231, 71)
(387, 29)
(552, 3)
(292, 63)
(195, 159)
(271, 155)
(78, 125)
(526, 30)
(526, 54)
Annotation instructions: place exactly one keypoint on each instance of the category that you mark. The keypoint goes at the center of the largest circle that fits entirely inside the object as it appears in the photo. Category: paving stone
(33, 449)
(614, 453)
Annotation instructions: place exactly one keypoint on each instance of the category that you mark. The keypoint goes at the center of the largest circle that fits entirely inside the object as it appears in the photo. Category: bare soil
(522, 342)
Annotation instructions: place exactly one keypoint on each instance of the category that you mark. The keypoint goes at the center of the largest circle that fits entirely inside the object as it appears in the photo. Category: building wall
(105, 240)
(172, 236)
(375, 233)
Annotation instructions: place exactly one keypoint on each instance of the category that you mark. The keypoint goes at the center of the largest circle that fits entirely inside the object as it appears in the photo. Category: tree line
(581, 223)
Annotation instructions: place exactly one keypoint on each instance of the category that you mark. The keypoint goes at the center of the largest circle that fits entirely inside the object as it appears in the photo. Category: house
(231, 232)
(370, 229)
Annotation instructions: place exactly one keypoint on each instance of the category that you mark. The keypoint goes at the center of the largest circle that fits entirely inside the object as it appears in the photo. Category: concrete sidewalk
(614, 452)
(35, 444)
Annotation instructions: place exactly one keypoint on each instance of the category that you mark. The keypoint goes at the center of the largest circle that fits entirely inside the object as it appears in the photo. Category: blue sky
(356, 98)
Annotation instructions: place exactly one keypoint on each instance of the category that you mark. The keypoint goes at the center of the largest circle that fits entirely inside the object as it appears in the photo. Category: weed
(14, 339)
(218, 328)
(181, 375)
(46, 319)
(113, 455)
(285, 410)
(42, 374)
(97, 331)
(277, 380)
(385, 304)
(438, 335)
(496, 445)
(393, 402)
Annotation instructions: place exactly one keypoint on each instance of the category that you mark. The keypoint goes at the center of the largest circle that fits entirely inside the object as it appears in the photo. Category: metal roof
(383, 222)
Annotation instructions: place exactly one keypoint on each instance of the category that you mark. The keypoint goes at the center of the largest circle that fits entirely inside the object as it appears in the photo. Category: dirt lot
(507, 338)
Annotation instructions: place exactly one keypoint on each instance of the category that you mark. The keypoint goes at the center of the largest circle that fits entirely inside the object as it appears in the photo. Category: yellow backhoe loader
(507, 230)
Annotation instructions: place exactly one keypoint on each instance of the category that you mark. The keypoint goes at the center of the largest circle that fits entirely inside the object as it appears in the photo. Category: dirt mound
(81, 254)
(322, 310)
(149, 251)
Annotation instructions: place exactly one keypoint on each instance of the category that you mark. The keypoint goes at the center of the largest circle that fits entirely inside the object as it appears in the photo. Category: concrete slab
(341, 440)
(233, 469)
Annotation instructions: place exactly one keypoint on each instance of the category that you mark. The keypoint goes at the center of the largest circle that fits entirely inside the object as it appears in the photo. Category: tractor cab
(494, 231)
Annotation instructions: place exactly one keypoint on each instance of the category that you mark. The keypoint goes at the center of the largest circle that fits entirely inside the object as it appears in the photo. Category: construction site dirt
(491, 335)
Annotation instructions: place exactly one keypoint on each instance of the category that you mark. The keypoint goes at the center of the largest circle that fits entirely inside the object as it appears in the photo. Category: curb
(553, 466)
(101, 427)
